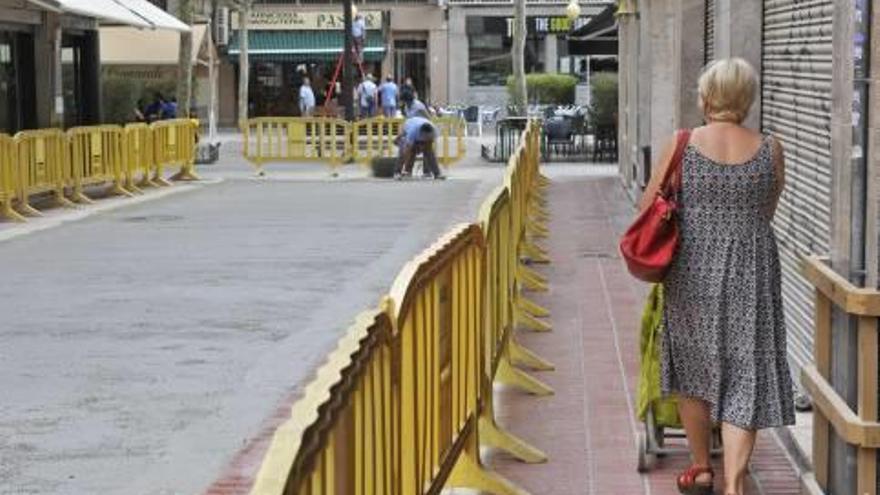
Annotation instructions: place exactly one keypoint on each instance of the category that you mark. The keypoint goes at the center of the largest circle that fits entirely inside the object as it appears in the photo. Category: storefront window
(489, 43)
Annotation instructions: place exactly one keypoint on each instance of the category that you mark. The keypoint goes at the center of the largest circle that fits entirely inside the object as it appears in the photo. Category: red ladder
(332, 86)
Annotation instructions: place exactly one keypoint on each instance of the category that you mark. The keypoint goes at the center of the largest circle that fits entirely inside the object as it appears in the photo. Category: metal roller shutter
(796, 108)
(709, 38)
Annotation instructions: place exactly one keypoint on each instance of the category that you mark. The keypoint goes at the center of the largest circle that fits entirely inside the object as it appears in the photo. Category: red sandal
(688, 484)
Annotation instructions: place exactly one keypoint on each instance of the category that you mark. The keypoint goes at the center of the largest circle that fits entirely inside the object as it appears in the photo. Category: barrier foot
(507, 374)
(534, 253)
(492, 435)
(131, 186)
(76, 196)
(533, 308)
(147, 182)
(162, 181)
(531, 280)
(524, 271)
(29, 210)
(185, 174)
(538, 223)
(530, 322)
(469, 473)
(540, 215)
(536, 231)
(7, 211)
(121, 191)
(523, 356)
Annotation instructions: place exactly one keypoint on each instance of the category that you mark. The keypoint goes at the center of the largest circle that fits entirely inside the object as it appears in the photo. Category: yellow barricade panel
(174, 145)
(293, 139)
(96, 157)
(43, 166)
(404, 402)
(140, 170)
(10, 178)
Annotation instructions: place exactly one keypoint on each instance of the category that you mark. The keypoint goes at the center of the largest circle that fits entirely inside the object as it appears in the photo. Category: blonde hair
(727, 90)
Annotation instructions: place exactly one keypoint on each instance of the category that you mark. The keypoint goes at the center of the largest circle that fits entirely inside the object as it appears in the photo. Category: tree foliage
(603, 99)
(547, 88)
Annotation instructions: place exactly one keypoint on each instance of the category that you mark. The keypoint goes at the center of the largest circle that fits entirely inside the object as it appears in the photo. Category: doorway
(17, 99)
(411, 60)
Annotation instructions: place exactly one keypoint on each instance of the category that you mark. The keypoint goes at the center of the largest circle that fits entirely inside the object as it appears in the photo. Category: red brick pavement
(588, 427)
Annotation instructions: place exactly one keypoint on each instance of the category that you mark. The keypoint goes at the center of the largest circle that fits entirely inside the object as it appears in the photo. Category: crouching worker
(417, 135)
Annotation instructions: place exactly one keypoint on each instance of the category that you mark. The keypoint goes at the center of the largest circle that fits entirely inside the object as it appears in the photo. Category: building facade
(49, 70)
(456, 52)
(818, 97)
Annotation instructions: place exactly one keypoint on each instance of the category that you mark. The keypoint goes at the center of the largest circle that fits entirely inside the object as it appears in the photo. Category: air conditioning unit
(221, 26)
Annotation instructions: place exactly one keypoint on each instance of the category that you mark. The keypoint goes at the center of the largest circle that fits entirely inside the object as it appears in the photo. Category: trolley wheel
(654, 430)
(646, 460)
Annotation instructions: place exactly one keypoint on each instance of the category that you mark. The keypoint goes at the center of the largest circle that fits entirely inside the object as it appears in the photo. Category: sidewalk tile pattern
(588, 428)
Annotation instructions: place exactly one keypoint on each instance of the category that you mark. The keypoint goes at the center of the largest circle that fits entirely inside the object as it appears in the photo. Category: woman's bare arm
(659, 170)
(779, 169)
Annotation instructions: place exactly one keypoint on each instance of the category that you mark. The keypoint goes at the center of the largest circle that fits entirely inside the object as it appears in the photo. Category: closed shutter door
(796, 108)
(709, 49)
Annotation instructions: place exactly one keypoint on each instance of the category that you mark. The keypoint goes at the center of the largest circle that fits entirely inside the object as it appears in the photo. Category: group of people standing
(160, 108)
(417, 133)
(387, 97)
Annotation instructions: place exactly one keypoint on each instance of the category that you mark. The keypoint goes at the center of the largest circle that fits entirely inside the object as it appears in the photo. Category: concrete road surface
(140, 348)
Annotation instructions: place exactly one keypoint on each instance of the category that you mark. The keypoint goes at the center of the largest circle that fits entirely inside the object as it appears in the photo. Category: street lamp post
(573, 11)
(347, 63)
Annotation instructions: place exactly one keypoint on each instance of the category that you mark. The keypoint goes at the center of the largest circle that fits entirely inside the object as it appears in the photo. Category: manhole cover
(153, 219)
(597, 254)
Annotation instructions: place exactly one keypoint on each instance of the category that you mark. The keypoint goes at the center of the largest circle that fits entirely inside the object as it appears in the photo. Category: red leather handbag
(649, 245)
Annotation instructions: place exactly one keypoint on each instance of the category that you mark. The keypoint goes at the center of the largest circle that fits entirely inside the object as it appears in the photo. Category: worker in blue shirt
(417, 135)
(416, 107)
(388, 95)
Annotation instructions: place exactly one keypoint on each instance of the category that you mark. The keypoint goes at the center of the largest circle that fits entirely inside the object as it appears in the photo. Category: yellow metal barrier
(96, 157)
(503, 350)
(174, 145)
(138, 148)
(292, 139)
(403, 404)
(451, 147)
(375, 137)
(10, 176)
(43, 167)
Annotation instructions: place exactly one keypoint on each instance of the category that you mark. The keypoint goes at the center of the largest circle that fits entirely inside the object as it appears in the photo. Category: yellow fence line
(96, 157)
(335, 141)
(404, 403)
(37, 162)
(292, 139)
(10, 176)
(42, 156)
(174, 145)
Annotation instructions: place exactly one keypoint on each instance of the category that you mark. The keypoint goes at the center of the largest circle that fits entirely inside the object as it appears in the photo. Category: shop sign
(548, 25)
(281, 18)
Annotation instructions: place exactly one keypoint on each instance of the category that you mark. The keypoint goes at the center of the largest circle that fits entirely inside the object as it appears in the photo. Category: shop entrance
(80, 79)
(17, 103)
(411, 60)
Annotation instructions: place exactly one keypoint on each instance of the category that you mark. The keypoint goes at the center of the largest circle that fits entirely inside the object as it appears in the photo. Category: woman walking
(724, 343)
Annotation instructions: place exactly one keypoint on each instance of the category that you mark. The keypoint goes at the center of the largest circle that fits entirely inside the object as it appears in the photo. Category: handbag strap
(672, 179)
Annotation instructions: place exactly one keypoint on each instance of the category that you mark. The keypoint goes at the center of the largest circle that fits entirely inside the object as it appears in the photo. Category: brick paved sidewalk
(588, 428)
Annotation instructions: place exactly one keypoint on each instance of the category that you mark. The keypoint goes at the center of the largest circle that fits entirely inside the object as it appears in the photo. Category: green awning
(303, 46)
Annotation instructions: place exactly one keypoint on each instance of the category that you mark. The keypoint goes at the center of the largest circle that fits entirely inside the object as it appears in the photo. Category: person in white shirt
(367, 94)
(359, 34)
(306, 98)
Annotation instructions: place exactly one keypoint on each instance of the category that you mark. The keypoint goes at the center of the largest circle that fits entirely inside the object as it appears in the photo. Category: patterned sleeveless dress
(724, 332)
